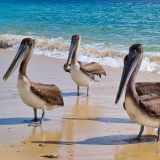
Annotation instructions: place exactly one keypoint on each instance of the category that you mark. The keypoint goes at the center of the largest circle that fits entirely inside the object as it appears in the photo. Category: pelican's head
(131, 61)
(25, 47)
(75, 42)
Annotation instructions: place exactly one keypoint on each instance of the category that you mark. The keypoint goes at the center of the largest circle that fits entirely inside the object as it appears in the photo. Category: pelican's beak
(21, 54)
(66, 68)
(73, 47)
(130, 64)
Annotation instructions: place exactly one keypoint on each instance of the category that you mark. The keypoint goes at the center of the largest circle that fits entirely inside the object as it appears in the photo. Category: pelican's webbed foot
(36, 122)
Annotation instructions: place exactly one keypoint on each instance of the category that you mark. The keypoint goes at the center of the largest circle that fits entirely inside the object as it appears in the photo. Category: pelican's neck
(131, 83)
(23, 66)
(74, 55)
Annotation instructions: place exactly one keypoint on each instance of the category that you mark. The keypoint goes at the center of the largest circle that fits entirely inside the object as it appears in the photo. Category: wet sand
(86, 128)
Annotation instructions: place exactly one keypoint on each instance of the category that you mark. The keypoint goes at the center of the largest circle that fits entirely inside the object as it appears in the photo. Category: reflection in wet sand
(142, 151)
(40, 149)
(84, 132)
(79, 136)
(86, 128)
(150, 150)
(72, 128)
(71, 131)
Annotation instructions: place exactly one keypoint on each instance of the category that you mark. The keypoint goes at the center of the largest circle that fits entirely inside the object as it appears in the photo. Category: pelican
(35, 95)
(142, 100)
(82, 75)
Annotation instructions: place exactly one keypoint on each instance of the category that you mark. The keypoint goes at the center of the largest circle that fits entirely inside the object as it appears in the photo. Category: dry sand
(86, 128)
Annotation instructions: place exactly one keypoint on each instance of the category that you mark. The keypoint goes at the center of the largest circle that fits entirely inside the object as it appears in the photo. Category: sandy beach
(86, 128)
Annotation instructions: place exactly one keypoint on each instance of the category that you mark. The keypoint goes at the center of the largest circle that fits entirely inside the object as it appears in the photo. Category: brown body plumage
(142, 100)
(35, 95)
(82, 74)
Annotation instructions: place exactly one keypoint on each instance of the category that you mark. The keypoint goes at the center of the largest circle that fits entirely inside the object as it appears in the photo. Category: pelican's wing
(49, 93)
(93, 69)
(146, 88)
(151, 104)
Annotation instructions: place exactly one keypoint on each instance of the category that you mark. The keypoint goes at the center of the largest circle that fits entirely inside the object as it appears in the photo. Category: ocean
(107, 28)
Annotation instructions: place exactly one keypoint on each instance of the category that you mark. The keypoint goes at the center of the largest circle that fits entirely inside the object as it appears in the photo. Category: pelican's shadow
(16, 121)
(104, 119)
(106, 140)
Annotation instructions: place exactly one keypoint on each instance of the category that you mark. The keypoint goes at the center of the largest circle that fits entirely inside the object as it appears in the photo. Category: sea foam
(59, 48)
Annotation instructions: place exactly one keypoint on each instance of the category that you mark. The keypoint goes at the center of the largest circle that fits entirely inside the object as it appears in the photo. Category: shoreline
(85, 128)
(104, 55)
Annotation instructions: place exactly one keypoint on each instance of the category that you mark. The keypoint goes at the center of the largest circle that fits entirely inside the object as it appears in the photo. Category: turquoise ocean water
(107, 27)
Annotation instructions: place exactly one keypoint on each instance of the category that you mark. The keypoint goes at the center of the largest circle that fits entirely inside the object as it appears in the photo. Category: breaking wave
(59, 47)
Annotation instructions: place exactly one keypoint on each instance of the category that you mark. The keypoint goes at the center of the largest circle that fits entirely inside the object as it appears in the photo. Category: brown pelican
(82, 75)
(35, 95)
(142, 101)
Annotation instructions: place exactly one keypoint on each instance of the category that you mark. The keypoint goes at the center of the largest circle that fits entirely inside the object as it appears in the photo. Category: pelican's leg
(158, 134)
(35, 115)
(43, 113)
(35, 121)
(77, 90)
(87, 91)
(140, 133)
